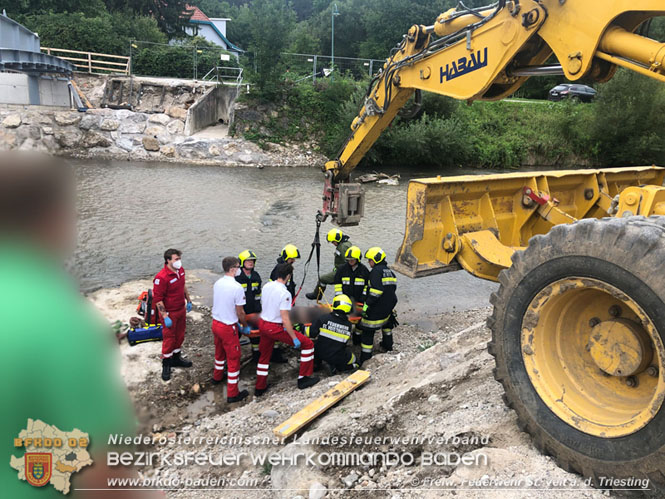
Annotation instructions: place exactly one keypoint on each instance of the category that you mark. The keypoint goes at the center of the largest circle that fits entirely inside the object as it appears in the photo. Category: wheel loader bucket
(477, 222)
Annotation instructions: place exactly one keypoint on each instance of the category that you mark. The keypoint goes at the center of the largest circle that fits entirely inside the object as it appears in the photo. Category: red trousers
(272, 332)
(227, 349)
(174, 336)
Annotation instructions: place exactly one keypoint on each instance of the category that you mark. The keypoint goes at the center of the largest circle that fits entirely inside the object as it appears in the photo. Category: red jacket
(169, 287)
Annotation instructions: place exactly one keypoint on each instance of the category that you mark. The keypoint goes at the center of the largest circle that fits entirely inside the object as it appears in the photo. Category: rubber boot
(387, 341)
(258, 392)
(166, 369)
(317, 294)
(356, 338)
(241, 396)
(307, 381)
(364, 356)
(256, 355)
(179, 361)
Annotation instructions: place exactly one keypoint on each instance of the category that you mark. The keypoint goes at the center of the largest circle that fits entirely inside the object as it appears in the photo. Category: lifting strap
(316, 245)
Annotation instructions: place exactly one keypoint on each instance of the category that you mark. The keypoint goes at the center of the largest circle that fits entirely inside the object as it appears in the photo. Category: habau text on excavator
(578, 327)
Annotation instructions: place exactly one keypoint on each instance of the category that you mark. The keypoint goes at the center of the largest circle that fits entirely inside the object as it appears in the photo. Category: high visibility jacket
(332, 331)
(251, 285)
(291, 285)
(381, 292)
(352, 282)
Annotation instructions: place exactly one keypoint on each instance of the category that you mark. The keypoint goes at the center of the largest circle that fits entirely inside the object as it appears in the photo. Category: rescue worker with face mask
(172, 300)
(333, 331)
(342, 244)
(351, 280)
(378, 313)
(250, 280)
(289, 254)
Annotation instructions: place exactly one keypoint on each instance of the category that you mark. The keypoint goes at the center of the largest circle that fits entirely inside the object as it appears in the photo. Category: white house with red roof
(212, 29)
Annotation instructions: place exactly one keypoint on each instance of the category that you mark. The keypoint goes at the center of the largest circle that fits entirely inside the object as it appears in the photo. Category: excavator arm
(487, 54)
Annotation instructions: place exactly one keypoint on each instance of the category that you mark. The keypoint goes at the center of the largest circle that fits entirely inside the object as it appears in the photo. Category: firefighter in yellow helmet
(289, 254)
(333, 331)
(351, 280)
(341, 242)
(250, 280)
(381, 299)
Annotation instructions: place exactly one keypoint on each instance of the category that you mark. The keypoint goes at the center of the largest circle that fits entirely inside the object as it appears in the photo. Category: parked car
(572, 91)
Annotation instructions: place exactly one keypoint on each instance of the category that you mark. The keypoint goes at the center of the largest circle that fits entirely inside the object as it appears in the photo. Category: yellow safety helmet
(290, 251)
(335, 236)
(353, 252)
(246, 255)
(342, 303)
(375, 254)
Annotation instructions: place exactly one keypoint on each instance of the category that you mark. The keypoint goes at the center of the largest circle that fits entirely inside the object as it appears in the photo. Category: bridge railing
(92, 62)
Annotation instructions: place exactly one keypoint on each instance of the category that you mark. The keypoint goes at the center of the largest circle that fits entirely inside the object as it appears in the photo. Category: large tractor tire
(578, 334)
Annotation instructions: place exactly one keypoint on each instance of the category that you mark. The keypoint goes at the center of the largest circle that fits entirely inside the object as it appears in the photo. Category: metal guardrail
(93, 62)
(224, 75)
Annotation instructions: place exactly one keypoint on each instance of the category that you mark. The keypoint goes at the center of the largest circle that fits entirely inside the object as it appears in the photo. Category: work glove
(189, 306)
(245, 330)
(296, 343)
(168, 322)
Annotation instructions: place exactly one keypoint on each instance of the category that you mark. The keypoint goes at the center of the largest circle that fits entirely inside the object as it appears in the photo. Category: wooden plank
(48, 49)
(81, 94)
(322, 404)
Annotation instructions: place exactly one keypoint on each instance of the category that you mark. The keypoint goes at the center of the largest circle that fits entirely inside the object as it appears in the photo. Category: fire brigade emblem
(38, 468)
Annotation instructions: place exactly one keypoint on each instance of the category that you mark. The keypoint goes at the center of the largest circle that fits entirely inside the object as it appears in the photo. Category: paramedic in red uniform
(275, 325)
(228, 300)
(173, 302)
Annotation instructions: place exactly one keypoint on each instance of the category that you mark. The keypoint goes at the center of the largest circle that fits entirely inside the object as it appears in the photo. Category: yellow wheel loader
(578, 327)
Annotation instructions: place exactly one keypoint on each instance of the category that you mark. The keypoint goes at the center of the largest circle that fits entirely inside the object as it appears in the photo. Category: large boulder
(109, 125)
(95, 139)
(12, 121)
(176, 127)
(150, 144)
(177, 112)
(67, 119)
(89, 121)
(160, 118)
(68, 138)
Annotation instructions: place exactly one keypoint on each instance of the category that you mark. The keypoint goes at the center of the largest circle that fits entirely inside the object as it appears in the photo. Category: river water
(129, 213)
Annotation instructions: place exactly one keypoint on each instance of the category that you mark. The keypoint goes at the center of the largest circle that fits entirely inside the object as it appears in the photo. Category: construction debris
(381, 178)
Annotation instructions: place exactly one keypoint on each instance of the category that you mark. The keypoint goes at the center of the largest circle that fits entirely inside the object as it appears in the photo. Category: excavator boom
(487, 54)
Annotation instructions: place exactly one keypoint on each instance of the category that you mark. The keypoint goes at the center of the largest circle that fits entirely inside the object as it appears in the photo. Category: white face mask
(238, 272)
(177, 264)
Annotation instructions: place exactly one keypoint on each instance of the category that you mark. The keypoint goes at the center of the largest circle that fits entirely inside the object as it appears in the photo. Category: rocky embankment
(434, 394)
(135, 136)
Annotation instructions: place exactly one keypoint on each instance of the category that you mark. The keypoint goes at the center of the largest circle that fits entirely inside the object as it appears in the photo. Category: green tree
(105, 33)
(271, 21)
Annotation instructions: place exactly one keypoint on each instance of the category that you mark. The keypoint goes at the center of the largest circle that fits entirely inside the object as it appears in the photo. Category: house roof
(198, 17)
(198, 14)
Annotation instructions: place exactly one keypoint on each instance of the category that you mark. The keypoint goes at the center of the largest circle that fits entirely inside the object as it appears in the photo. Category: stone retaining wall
(134, 136)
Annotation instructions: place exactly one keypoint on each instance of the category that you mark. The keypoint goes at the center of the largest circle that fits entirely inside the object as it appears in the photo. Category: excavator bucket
(477, 222)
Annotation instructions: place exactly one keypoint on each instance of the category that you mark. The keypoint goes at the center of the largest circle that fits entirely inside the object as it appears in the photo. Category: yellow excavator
(578, 326)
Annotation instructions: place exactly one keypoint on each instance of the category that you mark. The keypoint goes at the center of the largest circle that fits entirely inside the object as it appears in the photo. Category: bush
(177, 61)
(627, 127)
